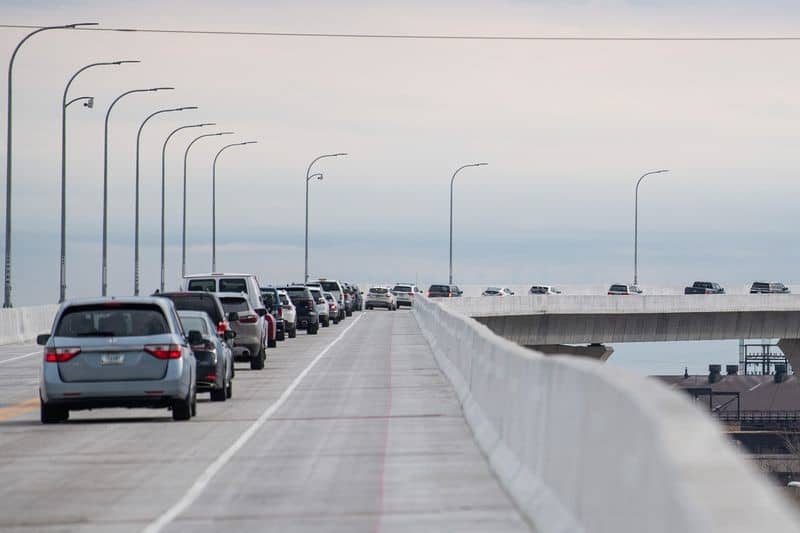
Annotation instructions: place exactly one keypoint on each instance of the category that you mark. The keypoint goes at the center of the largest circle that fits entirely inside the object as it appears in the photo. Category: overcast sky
(566, 127)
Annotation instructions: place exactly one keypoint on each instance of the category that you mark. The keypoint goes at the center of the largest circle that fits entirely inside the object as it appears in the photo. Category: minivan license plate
(112, 359)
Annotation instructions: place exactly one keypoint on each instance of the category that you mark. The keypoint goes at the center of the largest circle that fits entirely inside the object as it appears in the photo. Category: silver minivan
(117, 352)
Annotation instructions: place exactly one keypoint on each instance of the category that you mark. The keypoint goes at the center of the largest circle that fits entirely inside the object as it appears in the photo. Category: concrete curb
(584, 447)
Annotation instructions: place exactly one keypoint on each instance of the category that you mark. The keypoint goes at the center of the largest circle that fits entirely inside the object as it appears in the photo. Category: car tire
(194, 403)
(257, 363)
(272, 343)
(280, 336)
(327, 322)
(229, 389)
(369, 308)
(313, 329)
(182, 409)
(293, 332)
(52, 414)
(348, 313)
(219, 395)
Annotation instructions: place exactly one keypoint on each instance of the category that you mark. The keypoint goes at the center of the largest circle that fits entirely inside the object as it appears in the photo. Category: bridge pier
(791, 349)
(601, 352)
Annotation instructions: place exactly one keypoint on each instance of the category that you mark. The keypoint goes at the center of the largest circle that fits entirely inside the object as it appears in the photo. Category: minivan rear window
(207, 285)
(232, 285)
(134, 320)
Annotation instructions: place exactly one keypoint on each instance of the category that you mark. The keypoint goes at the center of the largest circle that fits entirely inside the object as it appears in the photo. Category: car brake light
(60, 355)
(280, 313)
(211, 377)
(248, 319)
(163, 351)
(222, 327)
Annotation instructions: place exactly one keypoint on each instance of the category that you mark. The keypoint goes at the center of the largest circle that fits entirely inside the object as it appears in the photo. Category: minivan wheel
(182, 409)
(327, 322)
(313, 329)
(271, 343)
(194, 403)
(348, 313)
(293, 332)
(52, 414)
(229, 390)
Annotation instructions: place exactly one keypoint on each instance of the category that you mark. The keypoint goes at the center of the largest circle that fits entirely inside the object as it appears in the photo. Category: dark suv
(303, 301)
(764, 287)
(274, 307)
(444, 291)
(202, 301)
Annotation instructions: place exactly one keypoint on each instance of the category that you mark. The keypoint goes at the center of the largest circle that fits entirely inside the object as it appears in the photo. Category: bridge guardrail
(584, 447)
(22, 324)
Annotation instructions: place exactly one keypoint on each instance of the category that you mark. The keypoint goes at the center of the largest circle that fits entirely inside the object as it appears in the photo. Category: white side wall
(586, 447)
(23, 324)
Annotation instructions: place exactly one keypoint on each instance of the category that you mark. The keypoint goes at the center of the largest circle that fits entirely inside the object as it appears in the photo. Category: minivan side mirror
(194, 337)
(42, 339)
(233, 316)
(229, 334)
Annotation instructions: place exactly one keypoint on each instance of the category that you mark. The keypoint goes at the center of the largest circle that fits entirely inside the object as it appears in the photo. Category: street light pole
(214, 202)
(9, 109)
(459, 169)
(64, 104)
(104, 283)
(636, 226)
(136, 194)
(185, 158)
(308, 178)
(163, 189)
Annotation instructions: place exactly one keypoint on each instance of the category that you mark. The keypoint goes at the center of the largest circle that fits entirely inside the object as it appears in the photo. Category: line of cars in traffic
(616, 289)
(160, 351)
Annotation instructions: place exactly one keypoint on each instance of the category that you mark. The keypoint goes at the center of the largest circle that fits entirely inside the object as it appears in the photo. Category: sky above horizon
(566, 128)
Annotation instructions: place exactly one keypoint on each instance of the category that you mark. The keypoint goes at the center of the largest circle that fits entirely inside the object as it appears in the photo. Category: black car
(274, 307)
(307, 317)
(765, 287)
(444, 291)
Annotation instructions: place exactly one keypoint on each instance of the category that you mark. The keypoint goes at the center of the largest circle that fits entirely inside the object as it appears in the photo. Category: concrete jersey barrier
(581, 446)
(23, 324)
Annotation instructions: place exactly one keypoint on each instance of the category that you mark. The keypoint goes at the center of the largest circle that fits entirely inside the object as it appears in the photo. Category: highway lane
(369, 438)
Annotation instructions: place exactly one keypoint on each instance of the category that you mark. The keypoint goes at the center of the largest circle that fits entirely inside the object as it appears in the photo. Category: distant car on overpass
(543, 289)
(763, 287)
(621, 289)
(704, 287)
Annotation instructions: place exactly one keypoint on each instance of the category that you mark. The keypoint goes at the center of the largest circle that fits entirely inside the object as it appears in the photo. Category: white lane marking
(20, 357)
(205, 478)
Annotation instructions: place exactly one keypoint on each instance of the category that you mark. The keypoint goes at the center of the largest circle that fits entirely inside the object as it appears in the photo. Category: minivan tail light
(163, 351)
(280, 312)
(248, 319)
(222, 327)
(60, 355)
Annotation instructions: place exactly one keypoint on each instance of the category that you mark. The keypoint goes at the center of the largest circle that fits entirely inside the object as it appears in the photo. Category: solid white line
(20, 357)
(205, 478)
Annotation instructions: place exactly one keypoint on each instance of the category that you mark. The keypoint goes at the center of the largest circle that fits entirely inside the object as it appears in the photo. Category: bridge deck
(371, 439)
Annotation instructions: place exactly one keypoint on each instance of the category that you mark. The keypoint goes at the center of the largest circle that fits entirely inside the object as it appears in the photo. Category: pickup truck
(704, 287)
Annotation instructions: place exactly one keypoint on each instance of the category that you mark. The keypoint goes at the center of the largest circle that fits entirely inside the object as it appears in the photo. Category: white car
(289, 312)
(405, 293)
(321, 305)
(381, 297)
(497, 291)
(543, 289)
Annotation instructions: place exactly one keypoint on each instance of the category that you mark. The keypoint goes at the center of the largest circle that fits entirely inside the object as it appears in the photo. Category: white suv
(381, 297)
(405, 293)
(289, 313)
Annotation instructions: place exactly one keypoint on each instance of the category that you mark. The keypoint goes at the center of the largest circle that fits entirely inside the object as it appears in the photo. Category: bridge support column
(791, 349)
(601, 352)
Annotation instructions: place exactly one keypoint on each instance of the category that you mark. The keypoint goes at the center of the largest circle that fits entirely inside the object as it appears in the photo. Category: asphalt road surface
(351, 430)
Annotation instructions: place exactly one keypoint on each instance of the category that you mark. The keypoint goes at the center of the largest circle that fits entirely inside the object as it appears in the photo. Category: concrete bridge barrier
(22, 324)
(585, 447)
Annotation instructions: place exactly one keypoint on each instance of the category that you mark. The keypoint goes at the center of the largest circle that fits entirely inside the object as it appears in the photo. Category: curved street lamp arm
(76, 99)
(91, 65)
(322, 157)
